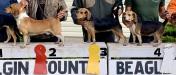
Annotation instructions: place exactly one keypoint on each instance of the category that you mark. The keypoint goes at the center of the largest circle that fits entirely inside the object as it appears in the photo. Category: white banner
(136, 60)
(134, 67)
(72, 59)
(54, 67)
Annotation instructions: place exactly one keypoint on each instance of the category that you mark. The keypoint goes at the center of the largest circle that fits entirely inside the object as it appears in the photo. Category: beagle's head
(129, 18)
(83, 14)
(173, 19)
(15, 9)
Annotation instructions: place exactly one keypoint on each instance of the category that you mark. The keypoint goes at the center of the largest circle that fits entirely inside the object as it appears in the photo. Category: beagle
(146, 28)
(84, 15)
(29, 26)
(11, 28)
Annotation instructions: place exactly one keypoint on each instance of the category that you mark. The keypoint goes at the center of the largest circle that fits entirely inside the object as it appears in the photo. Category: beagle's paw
(23, 46)
(5, 42)
(156, 44)
(139, 44)
(61, 44)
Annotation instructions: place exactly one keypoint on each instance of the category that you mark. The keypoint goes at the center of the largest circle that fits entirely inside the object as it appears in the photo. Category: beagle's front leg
(25, 38)
(158, 38)
(8, 36)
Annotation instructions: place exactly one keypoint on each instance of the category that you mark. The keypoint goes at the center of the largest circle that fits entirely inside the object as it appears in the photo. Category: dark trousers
(43, 38)
(100, 37)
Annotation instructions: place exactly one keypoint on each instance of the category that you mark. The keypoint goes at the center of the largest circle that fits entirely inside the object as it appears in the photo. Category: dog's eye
(81, 12)
(77, 12)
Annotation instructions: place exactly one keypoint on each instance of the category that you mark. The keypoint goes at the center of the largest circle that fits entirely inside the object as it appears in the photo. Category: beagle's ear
(23, 4)
(88, 14)
(135, 17)
(123, 18)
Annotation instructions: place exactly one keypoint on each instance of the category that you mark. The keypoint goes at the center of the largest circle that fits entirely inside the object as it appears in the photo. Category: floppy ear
(135, 17)
(23, 4)
(123, 18)
(88, 14)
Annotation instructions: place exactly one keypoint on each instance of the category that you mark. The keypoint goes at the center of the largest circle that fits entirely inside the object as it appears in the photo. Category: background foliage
(170, 33)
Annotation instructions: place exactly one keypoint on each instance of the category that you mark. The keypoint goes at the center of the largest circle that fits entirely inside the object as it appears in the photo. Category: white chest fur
(21, 16)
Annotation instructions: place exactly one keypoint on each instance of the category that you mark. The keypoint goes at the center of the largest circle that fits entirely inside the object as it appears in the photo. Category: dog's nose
(7, 11)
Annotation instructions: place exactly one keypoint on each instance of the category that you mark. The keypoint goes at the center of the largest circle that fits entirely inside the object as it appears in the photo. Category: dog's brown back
(40, 25)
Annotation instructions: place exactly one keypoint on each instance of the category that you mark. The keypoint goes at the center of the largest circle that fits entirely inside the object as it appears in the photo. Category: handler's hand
(168, 16)
(62, 13)
(120, 12)
(165, 15)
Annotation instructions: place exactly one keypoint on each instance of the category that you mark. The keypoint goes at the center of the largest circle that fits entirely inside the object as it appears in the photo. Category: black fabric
(73, 15)
(100, 37)
(105, 23)
(149, 27)
(3, 35)
(43, 38)
(40, 11)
